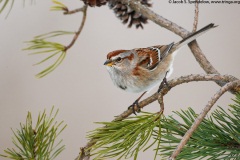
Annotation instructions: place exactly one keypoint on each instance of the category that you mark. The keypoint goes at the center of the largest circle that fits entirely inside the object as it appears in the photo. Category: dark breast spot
(122, 87)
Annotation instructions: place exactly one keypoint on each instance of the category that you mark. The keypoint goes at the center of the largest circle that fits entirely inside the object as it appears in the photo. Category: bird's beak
(108, 63)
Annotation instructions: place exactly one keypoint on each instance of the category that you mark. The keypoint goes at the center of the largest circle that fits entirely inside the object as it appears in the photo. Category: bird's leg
(136, 103)
(164, 81)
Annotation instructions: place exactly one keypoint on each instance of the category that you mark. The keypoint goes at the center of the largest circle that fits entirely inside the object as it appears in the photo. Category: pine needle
(41, 45)
(37, 142)
(124, 138)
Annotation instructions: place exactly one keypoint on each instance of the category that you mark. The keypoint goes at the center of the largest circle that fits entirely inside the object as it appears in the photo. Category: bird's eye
(119, 59)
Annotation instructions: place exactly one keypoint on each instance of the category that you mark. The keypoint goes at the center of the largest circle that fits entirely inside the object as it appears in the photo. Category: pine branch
(41, 45)
(125, 138)
(201, 116)
(37, 142)
(217, 137)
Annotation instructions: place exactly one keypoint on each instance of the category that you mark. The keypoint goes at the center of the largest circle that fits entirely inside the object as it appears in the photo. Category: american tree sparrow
(141, 69)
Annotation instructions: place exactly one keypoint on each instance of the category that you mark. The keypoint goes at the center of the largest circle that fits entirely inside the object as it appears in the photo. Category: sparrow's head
(119, 59)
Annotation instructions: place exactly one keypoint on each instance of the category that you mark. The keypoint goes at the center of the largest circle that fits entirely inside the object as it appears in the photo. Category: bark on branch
(195, 22)
(177, 81)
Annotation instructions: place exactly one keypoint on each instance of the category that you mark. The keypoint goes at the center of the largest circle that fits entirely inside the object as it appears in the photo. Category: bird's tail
(192, 36)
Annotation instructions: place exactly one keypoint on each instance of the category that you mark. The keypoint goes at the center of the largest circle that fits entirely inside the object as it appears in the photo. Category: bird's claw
(162, 84)
(133, 107)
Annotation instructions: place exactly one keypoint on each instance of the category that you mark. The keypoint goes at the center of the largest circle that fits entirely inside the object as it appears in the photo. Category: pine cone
(128, 15)
(93, 3)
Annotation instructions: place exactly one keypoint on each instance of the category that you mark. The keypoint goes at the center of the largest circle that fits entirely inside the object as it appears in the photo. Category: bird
(141, 69)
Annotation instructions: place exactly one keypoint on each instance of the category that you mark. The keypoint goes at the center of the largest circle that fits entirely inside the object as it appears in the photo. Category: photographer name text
(204, 1)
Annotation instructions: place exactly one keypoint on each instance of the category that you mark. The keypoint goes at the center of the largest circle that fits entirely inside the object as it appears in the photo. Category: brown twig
(175, 82)
(195, 22)
(83, 155)
(84, 10)
(74, 11)
(161, 103)
(201, 116)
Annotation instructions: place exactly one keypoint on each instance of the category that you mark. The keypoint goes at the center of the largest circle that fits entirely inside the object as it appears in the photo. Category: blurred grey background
(81, 87)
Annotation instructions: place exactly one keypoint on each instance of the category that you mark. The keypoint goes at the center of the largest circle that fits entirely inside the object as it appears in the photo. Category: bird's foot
(133, 107)
(164, 81)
